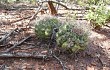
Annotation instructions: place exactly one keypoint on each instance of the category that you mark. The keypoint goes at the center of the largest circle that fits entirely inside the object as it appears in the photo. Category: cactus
(69, 36)
(70, 39)
(43, 28)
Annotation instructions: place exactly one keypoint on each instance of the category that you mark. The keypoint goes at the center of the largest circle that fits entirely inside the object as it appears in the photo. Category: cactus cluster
(72, 38)
(43, 28)
(68, 37)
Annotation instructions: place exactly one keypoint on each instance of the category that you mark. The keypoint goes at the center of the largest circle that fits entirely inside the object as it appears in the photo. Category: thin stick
(6, 36)
(107, 26)
(31, 17)
(53, 39)
(39, 9)
(63, 66)
(57, 6)
(19, 43)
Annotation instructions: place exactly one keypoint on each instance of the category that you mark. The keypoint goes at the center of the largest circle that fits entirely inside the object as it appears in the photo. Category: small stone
(23, 67)
(90, 68)
(76, 60)
(93, 63)
(44, 52)
(81, 64)
(97, 55)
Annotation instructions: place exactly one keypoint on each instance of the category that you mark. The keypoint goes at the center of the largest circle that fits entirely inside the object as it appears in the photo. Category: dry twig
(39, 9)
(63, 66)
(107, 26)
(51, 52)
(6, 36)
(19, 43)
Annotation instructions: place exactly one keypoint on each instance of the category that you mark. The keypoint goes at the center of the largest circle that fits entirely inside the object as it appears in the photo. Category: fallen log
(22, 55)
(17, 44)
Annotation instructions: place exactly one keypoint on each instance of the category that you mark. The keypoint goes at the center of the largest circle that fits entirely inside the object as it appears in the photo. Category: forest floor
(95, 57)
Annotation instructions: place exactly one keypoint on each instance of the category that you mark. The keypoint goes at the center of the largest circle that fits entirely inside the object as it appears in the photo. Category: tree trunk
(52, 8)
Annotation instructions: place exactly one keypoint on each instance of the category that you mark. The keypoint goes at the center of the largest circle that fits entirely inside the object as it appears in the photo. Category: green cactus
(43, 28)
(67, 37)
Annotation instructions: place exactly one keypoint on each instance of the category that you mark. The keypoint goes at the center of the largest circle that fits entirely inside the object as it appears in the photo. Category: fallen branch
(52, 43)
(21, 55)
(107, 26)
(11, 7)
(17, 44)
(57, 6)
(63, 66)
(24, 7)
(100, 61)
(2, 67)
(31, 17)
(39, 9)
(56, 3)
(6, 36)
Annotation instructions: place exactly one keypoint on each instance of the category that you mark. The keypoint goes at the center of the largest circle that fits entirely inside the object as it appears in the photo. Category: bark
(52, 8)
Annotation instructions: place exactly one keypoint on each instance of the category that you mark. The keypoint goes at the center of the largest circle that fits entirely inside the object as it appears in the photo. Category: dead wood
(2, 67)
(22, 55)
(61, 63)
(51, 51)
(107, 26)
(6, 36)
(14, 7)
(56, 3)
(39, 9)
(57, 6)
(31, 17)
(24, 7)
(52, 8)
(19, 43)
(100, 61)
